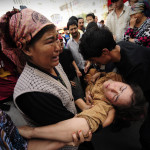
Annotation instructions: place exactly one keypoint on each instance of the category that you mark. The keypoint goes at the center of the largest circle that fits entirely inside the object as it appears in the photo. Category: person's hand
(79, 138)
(87, 66)
(88, 98)
(79, 74)
(110, 118)
(86, 106)
(26, 131)
(132, 21)
(73, 83)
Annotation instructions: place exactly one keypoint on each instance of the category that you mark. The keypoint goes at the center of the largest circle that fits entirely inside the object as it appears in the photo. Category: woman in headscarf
(139, 30)
(43, 92)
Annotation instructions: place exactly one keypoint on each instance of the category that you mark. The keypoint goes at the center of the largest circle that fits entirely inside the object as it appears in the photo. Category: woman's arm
(61, 131)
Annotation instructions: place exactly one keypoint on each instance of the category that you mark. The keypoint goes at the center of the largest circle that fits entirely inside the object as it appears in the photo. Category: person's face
(62, 45)
(118, 93)
(132, 2)
(118, 4)
(96, 19)
(104, 59)
(138, 17)
(73, 30)
(80, 23)
(89, 19)
(45, 52)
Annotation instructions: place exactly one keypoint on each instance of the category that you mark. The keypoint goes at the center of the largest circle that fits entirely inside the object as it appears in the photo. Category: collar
(79, 38)
(124, 9)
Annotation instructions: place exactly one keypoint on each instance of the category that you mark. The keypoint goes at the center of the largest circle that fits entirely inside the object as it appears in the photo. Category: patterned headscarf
(137, 8)
(23, 26)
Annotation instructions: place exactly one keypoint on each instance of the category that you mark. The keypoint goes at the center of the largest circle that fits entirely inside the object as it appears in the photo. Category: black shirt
(66, 60)
(134, 65)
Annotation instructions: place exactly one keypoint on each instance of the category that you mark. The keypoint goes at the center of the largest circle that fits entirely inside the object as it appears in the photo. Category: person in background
(110, 8)
(66, 36)
(90, 18)
(132, 2)
(98, 23)
(81, 24)
(73, 46)
(72, 71)
(118, 20)
(139, 30)
(102, 23)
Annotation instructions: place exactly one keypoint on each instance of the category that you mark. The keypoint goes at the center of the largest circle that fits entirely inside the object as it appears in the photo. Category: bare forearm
(62, 131)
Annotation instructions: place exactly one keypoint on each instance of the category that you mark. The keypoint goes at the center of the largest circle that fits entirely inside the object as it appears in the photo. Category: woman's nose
(113, 89)
(57, 45)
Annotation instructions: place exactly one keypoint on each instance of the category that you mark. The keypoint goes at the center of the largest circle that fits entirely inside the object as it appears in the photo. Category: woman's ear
(28, 51)
(105, 51)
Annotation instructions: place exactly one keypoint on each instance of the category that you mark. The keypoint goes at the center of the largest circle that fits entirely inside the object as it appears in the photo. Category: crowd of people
(68, 85)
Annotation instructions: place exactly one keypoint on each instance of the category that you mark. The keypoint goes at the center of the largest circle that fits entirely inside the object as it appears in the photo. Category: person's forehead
(81, 20)
(72, 26)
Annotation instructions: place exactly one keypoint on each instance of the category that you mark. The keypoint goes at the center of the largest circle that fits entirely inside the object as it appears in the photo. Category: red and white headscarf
(23, 26)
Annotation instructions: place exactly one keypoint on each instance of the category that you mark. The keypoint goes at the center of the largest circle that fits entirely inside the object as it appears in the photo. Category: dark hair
(94, 41)
(137, 110)
(72, 22)
(91, 25)
(65, 29)
(80, 18)
(73, 18)
(102, 21)
(91, 14)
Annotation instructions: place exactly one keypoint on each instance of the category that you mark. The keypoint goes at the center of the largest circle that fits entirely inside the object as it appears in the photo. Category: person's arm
(79, 74)
(61, 131)
(87, 66)
(81, 104)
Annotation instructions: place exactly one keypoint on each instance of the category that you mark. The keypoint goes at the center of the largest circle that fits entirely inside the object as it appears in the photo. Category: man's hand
(87, 66)
(73, 83)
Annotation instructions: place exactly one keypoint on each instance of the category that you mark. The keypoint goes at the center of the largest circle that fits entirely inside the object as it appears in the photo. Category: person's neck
(141, 22)
(118, 11)
(77, 37)
(115, 54)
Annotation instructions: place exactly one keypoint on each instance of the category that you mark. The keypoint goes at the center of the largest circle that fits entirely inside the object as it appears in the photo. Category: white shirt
(118, 26)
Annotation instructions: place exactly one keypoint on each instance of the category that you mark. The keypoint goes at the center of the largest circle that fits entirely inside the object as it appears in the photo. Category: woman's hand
(131, 40)
(132, 21)
(79, 138)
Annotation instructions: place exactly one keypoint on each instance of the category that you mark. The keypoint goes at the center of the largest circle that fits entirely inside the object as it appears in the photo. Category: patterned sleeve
(145, 38)
(129, 34)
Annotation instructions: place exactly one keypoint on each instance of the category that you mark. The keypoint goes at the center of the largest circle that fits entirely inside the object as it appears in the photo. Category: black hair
(65, 29)
(137, 109)
(73, 18)
(72, 22)
(91, 14)
(94, 41)
(91, 25)
(80, 18)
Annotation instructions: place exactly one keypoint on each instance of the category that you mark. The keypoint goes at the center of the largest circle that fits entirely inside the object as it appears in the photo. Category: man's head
(66, 31)
(61, 42)
(96, 45)
(117, 4)
(80, 23)
(72, 26)
(96, 19)
(90, 17)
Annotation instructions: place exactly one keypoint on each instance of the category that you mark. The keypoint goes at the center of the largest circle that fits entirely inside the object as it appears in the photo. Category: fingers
(89, 138)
